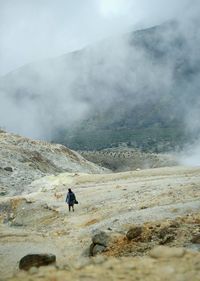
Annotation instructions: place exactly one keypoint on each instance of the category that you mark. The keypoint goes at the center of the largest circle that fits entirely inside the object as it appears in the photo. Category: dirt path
(113, 201)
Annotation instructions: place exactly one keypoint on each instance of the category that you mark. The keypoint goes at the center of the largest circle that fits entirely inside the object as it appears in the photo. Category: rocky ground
(176, 265)
(123, 159)
(133, 214)
(23, 160)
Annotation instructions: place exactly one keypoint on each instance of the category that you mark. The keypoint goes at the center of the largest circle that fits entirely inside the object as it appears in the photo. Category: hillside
(126, 159)
(23, 160)
(141, 88)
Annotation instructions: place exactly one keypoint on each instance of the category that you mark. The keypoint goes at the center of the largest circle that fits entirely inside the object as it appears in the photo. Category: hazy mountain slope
(142, 87)
(158, 111)
(23, 160)
(127, 159)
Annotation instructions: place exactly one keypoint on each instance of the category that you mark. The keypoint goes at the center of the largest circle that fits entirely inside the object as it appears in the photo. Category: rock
(36, 260)
(166, 252)
(8, 169)
(103, 241)
(196, 239)
(101, 238)
(134, 233)
(98, 249)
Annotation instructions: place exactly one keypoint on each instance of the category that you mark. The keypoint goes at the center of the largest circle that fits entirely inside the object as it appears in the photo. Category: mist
(36, 29)
(58, 86)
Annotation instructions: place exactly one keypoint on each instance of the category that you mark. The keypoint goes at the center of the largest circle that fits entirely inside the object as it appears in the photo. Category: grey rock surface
(97, 249)
(101, 238)
(23, 160)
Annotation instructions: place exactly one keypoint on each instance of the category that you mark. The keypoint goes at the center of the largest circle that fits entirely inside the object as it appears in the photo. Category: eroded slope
(23, 160)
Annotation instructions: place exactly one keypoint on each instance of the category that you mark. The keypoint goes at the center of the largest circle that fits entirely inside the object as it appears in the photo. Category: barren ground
(40, 222)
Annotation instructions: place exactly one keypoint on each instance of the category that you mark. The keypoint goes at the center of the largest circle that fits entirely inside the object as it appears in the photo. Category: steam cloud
(60, 92)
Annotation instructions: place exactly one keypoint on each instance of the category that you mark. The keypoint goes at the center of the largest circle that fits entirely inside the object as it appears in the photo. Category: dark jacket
(71, 198)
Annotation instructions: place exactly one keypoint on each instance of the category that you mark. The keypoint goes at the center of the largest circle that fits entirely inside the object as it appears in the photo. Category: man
(71, 199)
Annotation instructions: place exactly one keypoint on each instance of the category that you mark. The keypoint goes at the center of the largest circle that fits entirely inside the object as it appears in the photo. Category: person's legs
(71, 206)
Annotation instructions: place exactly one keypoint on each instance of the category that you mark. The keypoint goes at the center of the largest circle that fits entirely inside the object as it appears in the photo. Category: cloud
(143, 10)
(34, 29)
(112, 8)
(190, 156)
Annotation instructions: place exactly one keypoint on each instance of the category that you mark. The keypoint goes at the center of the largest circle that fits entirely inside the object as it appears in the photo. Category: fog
(31, 30)
(58, 90)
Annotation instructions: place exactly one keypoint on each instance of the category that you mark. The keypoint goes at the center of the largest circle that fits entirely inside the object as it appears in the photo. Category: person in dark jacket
(71, 199)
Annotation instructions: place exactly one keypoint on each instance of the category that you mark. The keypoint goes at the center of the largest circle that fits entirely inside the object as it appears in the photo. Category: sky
(31, 30)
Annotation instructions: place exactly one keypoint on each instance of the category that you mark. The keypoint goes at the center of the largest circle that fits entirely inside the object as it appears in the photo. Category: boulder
(101, 238)
(98, 249)
(134, 233)
(36, 260)
(102, 241)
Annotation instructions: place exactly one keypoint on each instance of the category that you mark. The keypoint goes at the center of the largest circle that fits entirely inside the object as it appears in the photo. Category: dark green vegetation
(146, 139)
